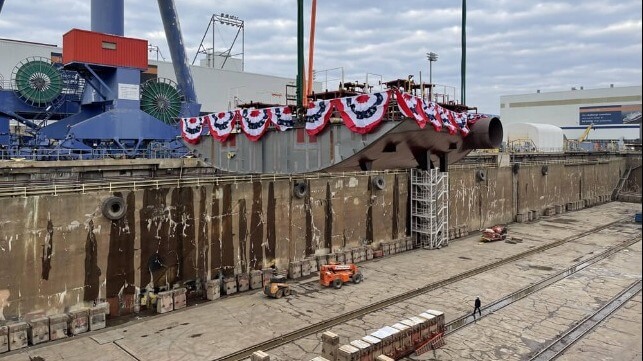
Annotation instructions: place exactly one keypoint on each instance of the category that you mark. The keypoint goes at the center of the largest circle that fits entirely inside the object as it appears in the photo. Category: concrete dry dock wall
(58, 252)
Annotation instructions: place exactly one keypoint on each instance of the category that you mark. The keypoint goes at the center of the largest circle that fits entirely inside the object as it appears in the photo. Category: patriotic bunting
(191, 129)
(222, 124)
(282, 118)
(447, 120)
(317, 115)
(254, 122)
(432, 115)
(363, 112)
(461, 119)
(411, 107)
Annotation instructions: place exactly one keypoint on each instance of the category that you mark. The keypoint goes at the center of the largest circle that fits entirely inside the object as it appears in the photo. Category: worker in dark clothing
(477, 308)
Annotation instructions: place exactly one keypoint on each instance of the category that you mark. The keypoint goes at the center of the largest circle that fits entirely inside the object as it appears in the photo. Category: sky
(512, 47)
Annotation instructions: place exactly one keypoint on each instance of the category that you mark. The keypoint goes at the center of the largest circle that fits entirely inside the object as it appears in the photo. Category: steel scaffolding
(429, 208)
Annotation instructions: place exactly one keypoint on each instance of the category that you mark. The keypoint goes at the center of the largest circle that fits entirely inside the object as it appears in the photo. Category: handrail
(126, 185)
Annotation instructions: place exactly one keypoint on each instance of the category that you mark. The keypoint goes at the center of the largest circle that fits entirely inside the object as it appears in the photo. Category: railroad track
(323, 325)
(574, 334)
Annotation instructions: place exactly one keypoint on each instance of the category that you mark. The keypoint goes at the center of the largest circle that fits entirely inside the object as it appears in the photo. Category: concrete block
(180, 298)
(347, 353)
(230, 285)
(305, 267)
(330, 344)
(294, 269)
(319, 358)
(386, 248)
(243, 282)
(348, 257)
(321, 260)
(259, 356)
(314, 266)
(213, 289)
(383, 358)
(331, 258)
(365, 351)
(521, 218)
(164, 302)
(4, 339)
(357, 255)
(376, 345)
(340, 257)
(558, 209)
(550, 211)
(98, 316)
(530, 216)
(18, 335)
(256, 279)
(78, 321)
(378, 253)
(38, 331)
(393, 248)
(267, 275)
(58, 327)
(369, 252)
(409, 244)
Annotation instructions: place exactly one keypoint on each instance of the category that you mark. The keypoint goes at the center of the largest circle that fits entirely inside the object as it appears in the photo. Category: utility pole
(463, 64)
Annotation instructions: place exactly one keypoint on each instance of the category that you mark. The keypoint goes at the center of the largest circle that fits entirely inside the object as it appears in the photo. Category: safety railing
(127, 185)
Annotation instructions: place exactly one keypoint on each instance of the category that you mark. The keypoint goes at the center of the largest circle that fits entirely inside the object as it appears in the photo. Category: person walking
(476, 307)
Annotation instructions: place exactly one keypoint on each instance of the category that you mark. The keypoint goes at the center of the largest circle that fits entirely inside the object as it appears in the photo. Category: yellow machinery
(277, 287)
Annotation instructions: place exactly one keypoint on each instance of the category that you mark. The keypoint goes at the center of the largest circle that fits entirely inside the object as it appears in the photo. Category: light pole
(431, 57)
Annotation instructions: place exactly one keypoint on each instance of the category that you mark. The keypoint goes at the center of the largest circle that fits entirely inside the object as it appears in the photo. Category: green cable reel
(37, 81)
(161, 99)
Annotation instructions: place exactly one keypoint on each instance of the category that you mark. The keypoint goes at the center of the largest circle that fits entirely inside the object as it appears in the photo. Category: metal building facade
(615, 112)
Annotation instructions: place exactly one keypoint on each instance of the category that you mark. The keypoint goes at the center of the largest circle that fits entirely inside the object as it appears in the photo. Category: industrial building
(218, 89)
(612, 113)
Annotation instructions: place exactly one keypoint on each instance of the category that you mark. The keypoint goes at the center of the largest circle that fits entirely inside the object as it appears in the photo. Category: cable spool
(37, 81)
(300, 189)
(379, 182)
(481, 175)
(544, 170)
(161, 98)
(114, 208)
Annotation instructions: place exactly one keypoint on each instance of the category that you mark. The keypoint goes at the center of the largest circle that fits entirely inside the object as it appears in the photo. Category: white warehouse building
(614, 112)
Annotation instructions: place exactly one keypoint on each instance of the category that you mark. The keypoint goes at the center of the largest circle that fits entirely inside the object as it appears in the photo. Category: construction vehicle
(337, 274)
(495, 233)
(277, 287)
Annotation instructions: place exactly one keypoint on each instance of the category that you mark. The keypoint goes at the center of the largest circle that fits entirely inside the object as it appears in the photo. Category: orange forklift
(337, 274)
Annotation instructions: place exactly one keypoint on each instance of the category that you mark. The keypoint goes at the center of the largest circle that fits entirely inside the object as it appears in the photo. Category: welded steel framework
(429, 208)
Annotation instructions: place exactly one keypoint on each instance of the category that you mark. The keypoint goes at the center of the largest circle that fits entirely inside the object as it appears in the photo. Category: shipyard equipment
(277, 287)
(90, 103)
(338, 274)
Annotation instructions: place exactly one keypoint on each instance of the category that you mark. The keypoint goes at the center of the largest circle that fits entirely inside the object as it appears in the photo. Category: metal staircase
(621, 183)
(429, 208)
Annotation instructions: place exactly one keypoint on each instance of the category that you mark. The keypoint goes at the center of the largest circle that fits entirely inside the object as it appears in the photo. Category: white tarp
(544, 137)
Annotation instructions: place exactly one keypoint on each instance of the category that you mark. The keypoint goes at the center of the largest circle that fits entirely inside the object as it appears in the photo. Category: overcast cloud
(513, 47)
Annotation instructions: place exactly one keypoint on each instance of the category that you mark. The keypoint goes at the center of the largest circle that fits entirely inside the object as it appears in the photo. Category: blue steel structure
(104, 119)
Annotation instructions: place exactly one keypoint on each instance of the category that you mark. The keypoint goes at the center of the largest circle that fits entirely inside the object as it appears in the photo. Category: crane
(585, 133)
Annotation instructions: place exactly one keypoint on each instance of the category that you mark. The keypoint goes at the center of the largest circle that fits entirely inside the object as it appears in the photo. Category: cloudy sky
(513, 47)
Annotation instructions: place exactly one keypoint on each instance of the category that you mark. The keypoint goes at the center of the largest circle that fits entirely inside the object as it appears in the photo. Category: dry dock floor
(216, 328)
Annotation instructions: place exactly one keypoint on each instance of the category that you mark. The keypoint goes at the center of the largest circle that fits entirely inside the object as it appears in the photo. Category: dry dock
(212, 330)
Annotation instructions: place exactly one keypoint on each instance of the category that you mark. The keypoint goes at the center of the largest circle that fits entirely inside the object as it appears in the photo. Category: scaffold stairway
(429, 208)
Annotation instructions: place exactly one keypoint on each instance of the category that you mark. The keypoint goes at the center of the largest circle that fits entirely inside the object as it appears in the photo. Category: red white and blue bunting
(254, 122)
(222, 124)
(432, 115)
(281, 117)
(411, 107)
(191, 129)
(362, 113)
(318, 115)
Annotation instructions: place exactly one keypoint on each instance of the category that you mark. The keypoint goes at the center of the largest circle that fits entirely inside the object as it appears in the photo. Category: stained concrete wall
(58, 252)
